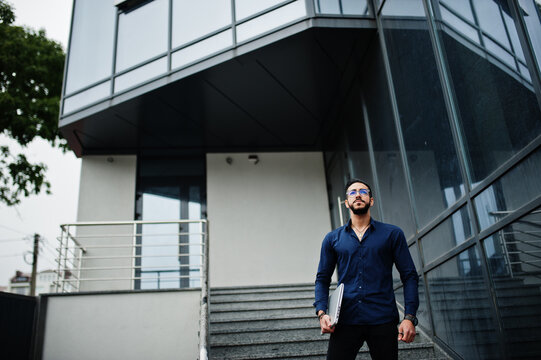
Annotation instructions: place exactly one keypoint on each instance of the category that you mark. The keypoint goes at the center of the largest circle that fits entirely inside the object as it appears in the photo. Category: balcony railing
(136, 255)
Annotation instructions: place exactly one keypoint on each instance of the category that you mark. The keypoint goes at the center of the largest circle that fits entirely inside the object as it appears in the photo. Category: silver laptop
(335, 302)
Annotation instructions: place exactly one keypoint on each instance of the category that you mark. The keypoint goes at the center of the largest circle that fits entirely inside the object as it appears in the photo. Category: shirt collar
(372, 224)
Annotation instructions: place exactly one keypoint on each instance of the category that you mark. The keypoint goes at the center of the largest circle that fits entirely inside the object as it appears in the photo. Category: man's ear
(371, 201)
(346, 203)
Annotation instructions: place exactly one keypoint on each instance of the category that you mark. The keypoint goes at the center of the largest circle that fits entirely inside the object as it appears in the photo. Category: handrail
(114, 251)
(205, 299)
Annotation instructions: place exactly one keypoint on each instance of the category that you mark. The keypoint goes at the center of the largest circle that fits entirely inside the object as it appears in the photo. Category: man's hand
(325, 324)
(406, 331)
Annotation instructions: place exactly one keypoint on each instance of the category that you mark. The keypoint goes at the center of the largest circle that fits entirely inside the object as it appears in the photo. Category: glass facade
(131, 46)
(90, 56)
(499, 90)
(448, 131)
(343, 7)
(430, 151)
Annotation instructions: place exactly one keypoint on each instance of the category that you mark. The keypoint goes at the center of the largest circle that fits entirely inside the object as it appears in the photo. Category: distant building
(20, 283)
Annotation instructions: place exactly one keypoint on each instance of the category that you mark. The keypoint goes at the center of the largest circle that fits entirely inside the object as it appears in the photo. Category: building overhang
(277, 93)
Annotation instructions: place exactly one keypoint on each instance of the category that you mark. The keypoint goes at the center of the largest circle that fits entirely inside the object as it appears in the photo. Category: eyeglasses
(360, 192)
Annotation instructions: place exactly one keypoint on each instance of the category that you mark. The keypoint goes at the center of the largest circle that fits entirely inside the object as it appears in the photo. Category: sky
(41, 214)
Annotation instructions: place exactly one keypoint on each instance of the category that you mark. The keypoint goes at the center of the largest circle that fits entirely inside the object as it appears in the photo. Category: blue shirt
(365, 268)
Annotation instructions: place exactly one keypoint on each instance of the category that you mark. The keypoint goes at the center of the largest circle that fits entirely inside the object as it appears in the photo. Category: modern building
(244, 119)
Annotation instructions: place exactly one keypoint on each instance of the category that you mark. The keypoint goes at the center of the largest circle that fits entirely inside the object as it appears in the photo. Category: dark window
(170, 189)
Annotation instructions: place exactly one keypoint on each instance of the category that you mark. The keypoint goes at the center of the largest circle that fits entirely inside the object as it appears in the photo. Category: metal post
(134, 254)
(340, 211)
(59, 260)
(204, 321)
(34, 265)
(66, 245)
(79, 265)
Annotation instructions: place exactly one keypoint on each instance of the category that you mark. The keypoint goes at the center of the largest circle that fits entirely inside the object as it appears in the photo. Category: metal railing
(133, 255)
(515, 246)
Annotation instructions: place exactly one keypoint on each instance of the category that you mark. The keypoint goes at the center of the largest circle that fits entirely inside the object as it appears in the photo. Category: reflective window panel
(87, 97)
(271, 20)
(140, 74)
(336, 180)
(531, 13)
(516, 188)
(414, 252)
(403, 8)
(328, 6)
(342, 7)
(498, 110)
(462, 8)
(422, 313)
(501, 37)
(359, 167)
(456, 21)
(491, 21)
(355, 141)
(142, 34)
(432, 159)
(459, 298)
(514, 257)
(202, 49)
(245, 8)
(91, 47)
(394, 199)
(194, 19)
(447, 235)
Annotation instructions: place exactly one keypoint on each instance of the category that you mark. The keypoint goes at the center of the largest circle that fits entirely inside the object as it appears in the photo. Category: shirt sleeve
(408, 274)
(327, 263)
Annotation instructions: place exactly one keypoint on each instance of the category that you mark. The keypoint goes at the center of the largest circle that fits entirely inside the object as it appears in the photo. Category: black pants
(348, 339)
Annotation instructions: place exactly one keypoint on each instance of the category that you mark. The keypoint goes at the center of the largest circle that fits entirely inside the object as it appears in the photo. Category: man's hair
(355, 180)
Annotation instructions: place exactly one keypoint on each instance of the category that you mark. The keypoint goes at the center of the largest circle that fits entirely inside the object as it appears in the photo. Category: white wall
(107, 188)
(157, 325)
(107, 193)
(266, 220)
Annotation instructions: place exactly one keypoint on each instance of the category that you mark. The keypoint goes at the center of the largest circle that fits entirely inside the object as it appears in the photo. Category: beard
(361, 210)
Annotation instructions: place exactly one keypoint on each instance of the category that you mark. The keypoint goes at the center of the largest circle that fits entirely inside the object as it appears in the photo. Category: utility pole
(34, 265)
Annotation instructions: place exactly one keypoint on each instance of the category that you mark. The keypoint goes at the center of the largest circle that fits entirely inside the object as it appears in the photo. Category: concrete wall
(107, 193)
(154, 325)
(267, 220)
(107, 188)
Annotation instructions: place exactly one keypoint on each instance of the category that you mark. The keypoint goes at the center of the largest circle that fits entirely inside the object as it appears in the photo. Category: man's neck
(360, 221)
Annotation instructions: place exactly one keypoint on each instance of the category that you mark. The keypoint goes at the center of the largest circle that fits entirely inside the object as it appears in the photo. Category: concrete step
(264, 295)
(277, 335)
(261, 289)
(278, 303)
(302, 322)
(295, 348)
(279, 323)
(262, 314)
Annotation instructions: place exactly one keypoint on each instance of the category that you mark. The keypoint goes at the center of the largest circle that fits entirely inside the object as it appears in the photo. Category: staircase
(279, 322)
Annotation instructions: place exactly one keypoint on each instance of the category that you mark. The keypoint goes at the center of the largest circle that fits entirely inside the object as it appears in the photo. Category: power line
(51, 253)
(49, 261)
(12, 229)
(12, 240)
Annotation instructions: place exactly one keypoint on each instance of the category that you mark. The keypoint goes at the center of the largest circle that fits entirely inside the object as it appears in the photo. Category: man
(364, 251)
